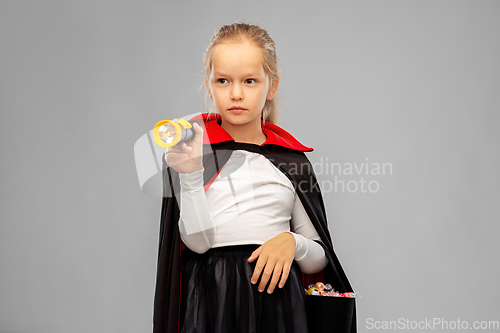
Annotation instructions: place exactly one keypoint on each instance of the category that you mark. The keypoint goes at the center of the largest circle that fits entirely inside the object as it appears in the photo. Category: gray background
(411, 83)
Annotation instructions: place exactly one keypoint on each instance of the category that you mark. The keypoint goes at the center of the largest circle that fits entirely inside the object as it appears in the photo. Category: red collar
(275, 134)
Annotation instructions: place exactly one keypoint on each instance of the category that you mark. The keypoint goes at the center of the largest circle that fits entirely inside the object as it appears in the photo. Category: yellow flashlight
(168, 133)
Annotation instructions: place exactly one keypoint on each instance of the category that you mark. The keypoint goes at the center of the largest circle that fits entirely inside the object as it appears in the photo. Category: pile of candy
(321, 289)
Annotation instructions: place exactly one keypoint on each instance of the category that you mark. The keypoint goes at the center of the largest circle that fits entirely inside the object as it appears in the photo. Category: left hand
(275, 257)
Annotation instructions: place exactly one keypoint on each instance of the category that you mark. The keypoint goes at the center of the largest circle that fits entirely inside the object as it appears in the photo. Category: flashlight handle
(190, 133)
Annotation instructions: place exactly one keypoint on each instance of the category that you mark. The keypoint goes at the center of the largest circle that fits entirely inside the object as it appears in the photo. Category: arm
(276, 255)
(196, 224)
(309, 254)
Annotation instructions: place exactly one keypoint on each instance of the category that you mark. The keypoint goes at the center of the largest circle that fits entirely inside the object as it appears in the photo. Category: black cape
(287, 157)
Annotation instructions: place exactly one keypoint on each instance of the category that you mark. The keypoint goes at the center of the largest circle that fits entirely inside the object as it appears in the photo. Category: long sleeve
(309, 254)
(196, 224)
(251, 205)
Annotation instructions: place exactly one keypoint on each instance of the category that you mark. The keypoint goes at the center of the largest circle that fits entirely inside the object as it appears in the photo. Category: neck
(247, 133)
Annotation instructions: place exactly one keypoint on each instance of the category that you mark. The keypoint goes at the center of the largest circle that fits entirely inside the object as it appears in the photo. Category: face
(238, 84)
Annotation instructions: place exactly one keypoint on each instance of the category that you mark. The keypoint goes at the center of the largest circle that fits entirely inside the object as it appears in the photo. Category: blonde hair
(240, 33)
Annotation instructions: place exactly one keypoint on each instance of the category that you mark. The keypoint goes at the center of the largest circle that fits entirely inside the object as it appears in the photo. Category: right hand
(186, 157)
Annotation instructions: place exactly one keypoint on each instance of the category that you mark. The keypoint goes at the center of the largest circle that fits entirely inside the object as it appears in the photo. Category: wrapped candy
(321, 289)
(313, 291)
(320, 286)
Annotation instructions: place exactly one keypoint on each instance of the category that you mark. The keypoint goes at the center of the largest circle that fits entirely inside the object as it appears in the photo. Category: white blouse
(249, 202)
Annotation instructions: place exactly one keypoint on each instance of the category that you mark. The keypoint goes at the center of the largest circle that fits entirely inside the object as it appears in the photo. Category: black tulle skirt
(217, 296)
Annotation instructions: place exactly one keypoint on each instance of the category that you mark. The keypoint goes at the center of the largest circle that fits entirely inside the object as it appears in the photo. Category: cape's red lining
(275, 134)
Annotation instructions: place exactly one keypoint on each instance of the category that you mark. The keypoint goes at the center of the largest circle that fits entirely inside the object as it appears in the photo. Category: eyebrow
(223, 74)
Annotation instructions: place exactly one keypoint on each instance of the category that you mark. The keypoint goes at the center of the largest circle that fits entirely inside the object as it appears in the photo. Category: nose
(236, 92)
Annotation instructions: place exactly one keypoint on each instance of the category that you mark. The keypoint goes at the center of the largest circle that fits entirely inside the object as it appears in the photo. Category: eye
(220, 80)
(251, 80)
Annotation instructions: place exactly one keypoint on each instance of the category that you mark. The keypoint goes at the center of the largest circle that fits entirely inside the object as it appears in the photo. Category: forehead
(235, 58)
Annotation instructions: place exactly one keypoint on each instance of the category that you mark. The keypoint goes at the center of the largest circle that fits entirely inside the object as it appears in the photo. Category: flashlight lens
(167, 133)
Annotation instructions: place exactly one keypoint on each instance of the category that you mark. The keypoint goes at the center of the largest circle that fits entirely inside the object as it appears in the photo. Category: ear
(208, 88)
(274, 88)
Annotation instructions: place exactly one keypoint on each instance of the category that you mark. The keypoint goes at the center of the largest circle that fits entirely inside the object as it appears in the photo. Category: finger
(255, 254)
(197, 128)
(259, 266)
(266, 274)
(179, 148)
(276, 276)
(284, 274)
(172, 159)
(175, 149)
(185, 148)
(179, 151)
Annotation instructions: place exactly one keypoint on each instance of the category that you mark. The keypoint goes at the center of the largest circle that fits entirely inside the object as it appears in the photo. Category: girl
(242, 219)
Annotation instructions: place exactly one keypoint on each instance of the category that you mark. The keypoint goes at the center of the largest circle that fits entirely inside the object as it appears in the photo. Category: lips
(237, 109)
